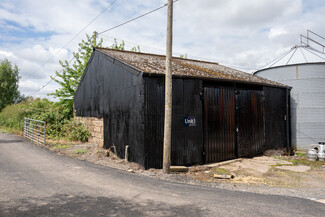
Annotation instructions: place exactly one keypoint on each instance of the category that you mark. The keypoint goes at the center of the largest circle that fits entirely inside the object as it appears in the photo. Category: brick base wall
(96, 129)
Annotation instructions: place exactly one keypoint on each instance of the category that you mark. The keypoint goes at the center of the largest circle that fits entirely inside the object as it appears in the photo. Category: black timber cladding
(219, 128)
(277, 117)
(187, 141)
(250, 122)
(114, 91)
(232, 118)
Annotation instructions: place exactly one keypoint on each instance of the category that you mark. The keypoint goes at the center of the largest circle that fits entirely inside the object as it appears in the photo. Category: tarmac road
(37, 182)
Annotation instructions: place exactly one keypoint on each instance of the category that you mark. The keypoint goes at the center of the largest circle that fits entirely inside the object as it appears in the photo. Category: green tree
(9, 78)
(71, 74)
(116, 46)
(136, 49)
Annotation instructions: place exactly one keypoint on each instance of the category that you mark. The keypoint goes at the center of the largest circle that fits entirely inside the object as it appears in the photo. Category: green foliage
(58, 124)
(60, 146)
(220, 171)
(301, 154)
(121, 46)
(136, 49)
(81, 151)
(70, 77)
(76, 131)
(183, 56)
(116, 46)
(9, 77)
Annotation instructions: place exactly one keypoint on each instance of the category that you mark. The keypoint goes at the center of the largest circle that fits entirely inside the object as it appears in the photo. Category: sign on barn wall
(189, 121)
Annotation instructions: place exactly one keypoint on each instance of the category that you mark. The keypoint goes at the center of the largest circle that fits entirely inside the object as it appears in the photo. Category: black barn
(219, 113)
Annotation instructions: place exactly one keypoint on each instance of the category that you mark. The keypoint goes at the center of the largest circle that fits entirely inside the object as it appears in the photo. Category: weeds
(60, 146)
(301, 154)
(220, 171)
(304, 161)
(81, 151)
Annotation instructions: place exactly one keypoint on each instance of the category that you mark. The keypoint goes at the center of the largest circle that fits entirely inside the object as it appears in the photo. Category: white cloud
(28, 86)
(248, 34)
(277, 32)
(5, 54)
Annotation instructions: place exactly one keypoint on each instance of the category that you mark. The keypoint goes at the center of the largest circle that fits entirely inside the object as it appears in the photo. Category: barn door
(219, 124)
(249, 122)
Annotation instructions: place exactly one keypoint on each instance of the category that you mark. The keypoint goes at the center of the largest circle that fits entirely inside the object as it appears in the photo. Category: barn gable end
(113, 91)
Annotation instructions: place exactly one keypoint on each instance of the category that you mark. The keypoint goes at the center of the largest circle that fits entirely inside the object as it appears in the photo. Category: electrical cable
(161, 51)
(50, 79)
(73, 38)
(97, 35)
(126, 22)
(65, 46)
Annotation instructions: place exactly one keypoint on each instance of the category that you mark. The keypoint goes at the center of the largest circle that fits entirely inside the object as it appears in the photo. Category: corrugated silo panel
(312, 100)
(294, 99)
(311, 71)
(312, 131)
(279, 74)
(311, 115)
(307, 85)
(307, 100)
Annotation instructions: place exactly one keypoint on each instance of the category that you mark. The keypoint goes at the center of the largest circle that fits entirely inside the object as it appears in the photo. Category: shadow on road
(10, 141)
(69, 205)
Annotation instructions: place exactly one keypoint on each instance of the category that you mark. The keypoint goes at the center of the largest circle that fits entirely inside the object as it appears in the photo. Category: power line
(67, 45)
(50, 79)
(161, 51)
(126, 22)
(73, 38)
(97, 34)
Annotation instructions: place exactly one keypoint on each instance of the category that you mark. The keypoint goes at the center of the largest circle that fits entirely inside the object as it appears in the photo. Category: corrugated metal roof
(155, 64)
(298, 54)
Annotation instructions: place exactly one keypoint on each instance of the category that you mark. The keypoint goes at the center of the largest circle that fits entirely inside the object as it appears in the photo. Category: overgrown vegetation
(58, 119)
(9, 77)
(300, 158)
(59, 115)
(71, 74)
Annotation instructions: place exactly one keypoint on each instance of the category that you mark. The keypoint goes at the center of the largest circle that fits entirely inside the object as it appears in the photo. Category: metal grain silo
(302, 68)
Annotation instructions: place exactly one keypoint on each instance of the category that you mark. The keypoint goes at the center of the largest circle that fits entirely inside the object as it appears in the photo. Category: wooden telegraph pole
(94, 38)
(168, 91)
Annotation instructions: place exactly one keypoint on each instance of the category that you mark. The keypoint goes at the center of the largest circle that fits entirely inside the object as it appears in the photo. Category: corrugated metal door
(187, 141)
(219, 124)
(250, 122)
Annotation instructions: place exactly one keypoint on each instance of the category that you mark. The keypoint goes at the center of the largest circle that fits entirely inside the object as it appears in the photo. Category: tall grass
(58, 119)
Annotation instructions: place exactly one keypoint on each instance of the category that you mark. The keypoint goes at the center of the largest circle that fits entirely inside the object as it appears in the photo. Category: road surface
(37, 182)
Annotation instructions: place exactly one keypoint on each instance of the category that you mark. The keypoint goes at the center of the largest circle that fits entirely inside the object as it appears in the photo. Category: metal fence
(35, 130)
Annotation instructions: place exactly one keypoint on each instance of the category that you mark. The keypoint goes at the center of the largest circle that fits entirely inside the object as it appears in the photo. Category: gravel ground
(99, 156)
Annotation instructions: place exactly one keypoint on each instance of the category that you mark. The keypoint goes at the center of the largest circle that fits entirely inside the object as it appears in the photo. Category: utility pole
(95, 37)
(168, 91)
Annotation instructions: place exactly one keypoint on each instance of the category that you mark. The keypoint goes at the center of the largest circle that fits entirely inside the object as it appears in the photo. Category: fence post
(44, 133)
(24, 127)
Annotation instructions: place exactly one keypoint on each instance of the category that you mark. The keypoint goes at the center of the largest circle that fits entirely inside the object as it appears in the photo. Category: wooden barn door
(249, 122)
(219, 124)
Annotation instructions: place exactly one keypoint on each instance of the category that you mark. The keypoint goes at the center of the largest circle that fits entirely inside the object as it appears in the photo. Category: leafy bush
(58, 118)
(76, 131)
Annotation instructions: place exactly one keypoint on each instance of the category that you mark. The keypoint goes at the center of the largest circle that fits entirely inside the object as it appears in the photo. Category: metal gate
(35, 130)
(219, 124)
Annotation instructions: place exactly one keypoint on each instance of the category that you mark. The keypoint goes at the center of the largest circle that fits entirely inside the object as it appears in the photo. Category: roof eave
(147, 74)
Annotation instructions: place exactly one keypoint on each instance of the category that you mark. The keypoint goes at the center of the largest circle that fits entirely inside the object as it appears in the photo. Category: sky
(244, 35)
